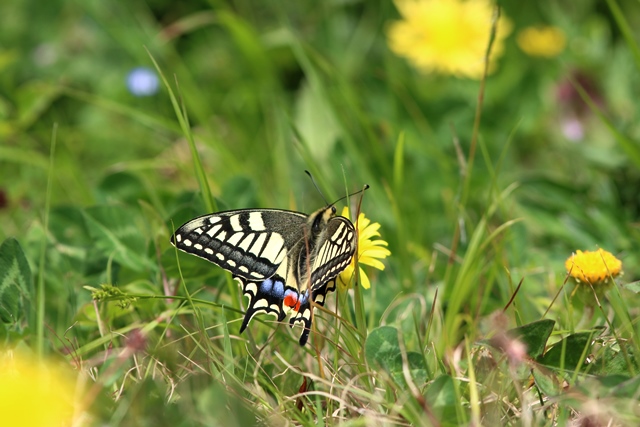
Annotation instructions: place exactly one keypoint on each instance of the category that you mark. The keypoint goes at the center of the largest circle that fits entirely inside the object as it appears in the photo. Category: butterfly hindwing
(304, 314)
(265, 296)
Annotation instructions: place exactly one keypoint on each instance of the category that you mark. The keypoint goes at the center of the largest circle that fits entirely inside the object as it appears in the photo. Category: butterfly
(284, 261)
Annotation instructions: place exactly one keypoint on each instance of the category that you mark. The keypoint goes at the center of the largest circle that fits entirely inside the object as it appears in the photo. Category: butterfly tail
(264, 297)
(305, 314)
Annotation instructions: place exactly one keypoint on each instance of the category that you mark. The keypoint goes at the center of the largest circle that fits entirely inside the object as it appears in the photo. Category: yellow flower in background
(544, 41)
(447, 36)
(370, 251)
(34, 393)
(596, 267)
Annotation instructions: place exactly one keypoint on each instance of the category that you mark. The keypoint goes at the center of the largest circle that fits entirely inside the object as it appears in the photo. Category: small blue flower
(143, 81)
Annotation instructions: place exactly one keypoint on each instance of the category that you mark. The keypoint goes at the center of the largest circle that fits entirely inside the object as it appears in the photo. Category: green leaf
(570, 352)
(382, 347)
(67, 225)
(16, 288)
(121, 187)
(416, 368)
(23, 156)
(441, 397)
(612, 362)
(633, 287)
(547, 382)
(622, 388)
(33, 99)
(116, 233)
(609, 386)
(315, 122)
(534, 335)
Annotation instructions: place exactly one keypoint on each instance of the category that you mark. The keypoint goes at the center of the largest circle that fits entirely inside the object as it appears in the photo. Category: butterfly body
(283, 260)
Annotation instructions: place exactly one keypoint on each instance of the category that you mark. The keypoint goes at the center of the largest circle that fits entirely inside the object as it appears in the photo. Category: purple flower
(143, 81)
(572, 128)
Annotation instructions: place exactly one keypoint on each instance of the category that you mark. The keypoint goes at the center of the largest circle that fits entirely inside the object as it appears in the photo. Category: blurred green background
(274, 88)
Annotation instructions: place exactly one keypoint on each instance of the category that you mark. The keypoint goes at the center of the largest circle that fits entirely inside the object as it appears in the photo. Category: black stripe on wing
(236, 241)
(304, 314)
(335, 253)
(265, 296)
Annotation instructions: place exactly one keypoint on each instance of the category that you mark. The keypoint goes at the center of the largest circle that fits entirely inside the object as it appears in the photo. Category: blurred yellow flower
(370, 250)
(596, 267)
(545, 41)
(447, 36)
(34, 393)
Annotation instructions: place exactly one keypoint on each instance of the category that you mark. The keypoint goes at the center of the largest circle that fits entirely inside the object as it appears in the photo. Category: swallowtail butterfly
(283, 260)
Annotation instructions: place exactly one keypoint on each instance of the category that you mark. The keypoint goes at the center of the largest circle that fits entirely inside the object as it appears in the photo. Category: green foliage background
(271, 89)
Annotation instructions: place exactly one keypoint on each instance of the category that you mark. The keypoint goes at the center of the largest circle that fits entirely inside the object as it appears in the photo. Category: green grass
(96, 180)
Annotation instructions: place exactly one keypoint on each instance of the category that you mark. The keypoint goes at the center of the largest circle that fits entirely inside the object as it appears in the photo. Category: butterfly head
(319, 219)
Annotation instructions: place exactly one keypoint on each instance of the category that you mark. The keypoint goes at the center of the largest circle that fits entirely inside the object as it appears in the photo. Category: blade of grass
(625, 29)
(474, 400)
(43, 250)
(183, 118)
(198, 315)
(467, 168)
(631, 148)
(458, 291)
(151, 121)
(229, 366)
(478, 115)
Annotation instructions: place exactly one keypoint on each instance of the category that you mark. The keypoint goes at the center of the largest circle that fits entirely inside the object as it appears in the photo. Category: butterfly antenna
(360, 201)
(316, 185)
(365, 188)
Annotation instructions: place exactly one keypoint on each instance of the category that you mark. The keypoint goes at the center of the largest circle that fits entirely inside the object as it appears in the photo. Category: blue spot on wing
(304, 297)
(266, 286)
(272, 288)
(274, 291)
(278, 289)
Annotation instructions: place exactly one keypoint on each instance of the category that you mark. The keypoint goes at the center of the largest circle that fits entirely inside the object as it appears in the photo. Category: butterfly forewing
(249, 243)
(334, 252)
(283, 260)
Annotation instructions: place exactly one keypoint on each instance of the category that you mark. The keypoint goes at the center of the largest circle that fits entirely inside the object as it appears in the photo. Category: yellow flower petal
(35, 393)
(378, 246)
(373, 255)
(370, 250)
(596, 267)
(447, 36)
(364, 280)
(347, 274)
(544, 41)
(372, 262)
(370, 231)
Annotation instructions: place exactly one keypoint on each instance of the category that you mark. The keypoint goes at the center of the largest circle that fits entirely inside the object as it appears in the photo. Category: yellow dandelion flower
(544, 41)
(596, 267)
(447, 36)
(34, 393)
(370, 251)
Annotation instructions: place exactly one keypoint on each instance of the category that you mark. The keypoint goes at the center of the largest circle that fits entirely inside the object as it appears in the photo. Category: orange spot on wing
(292, 301)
